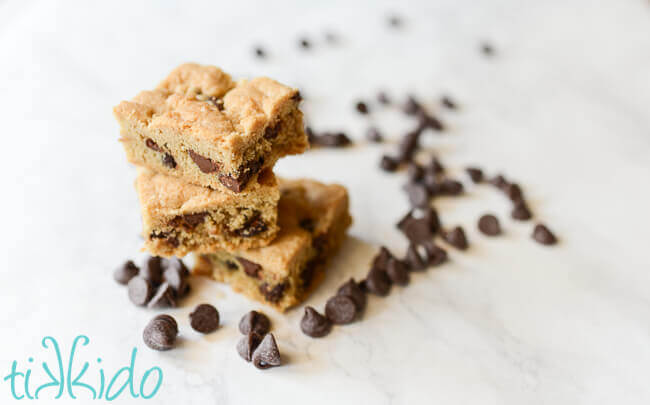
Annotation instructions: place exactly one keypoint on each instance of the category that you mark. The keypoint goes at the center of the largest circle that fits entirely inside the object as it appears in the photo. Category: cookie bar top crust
(313, 219)
(227, 129)
(179, 217)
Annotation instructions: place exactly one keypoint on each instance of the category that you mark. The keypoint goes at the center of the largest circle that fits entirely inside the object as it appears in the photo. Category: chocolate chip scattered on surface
(314, 324)
(204, 318)
(247, 345)
(489, 225)
(160, 333)
(163, 298)
(475, 174)
(124, 273)
(352, 289)
(544, 235)
(362, 107)
(139, 290)
(456, 238)
(256, 322)
(267, 354)
(341, 309)
(373, 135)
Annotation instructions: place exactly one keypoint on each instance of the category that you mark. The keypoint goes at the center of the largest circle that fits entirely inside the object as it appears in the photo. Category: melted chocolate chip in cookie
(273, 294)
(205, 164)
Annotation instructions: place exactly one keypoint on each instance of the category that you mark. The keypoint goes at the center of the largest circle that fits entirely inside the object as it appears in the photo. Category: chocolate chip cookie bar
(313, 219)
(202, 127)
(179, 217)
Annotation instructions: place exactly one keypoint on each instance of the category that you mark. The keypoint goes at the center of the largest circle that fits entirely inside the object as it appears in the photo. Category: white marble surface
(563, 108)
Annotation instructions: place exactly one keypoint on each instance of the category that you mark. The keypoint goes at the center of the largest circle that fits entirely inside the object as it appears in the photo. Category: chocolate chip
(435, 254)
(341, 309)
(373, 135)
(487, 49)
(415, 172)
(411, 106)
(499, 182)
(304, 43)
(514, 193)
(377, 282)
(521, 211)
(267, 353)
(435, 166)
(273, 294)
(175, 275)
(449, 103)
(169, 319)
(430, 181)
(314, 324)
(408, 146)
(190, 220)
(125, 272)
(381, 258)
(413, 259)
(456, 238)
(254, 226)
(307, 272)
(428, 120)
(247, 345)
(383, 98)
(388, 163)
(451, 187)
(231, 183)
(416, 230)
(331, 37)
(139, 290)
(307, 224)
(361, 107)
(205, 165)
(352, 290)
(475, 174)
(394, 21)
(418, 195)
(334, 140)
(163, 298)
(160, 333)
(168, 160)
(256, 322)
(152, 270)
(260, 53)
(152, 145)
(544, 235)
(237, 184)
(204, 318)
(489, 225)
(251, 269)
(431, 216)
(297, 97)
(397, 272)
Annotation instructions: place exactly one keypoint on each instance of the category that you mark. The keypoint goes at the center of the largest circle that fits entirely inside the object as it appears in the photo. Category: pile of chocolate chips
(427, 181)
(160, 283)
(258, 345)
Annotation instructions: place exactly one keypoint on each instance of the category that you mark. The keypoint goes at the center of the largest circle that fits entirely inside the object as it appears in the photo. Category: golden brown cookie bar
(179, 217)
(200, 126)
(313, 219)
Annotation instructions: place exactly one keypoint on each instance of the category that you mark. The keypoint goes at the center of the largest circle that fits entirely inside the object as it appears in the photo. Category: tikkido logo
(27, 383)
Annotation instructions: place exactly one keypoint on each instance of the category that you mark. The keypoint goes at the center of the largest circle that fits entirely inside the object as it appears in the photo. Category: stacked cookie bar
(205, 147)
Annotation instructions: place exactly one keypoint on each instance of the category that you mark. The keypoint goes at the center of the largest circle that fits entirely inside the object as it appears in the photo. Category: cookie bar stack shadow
(205, 147)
